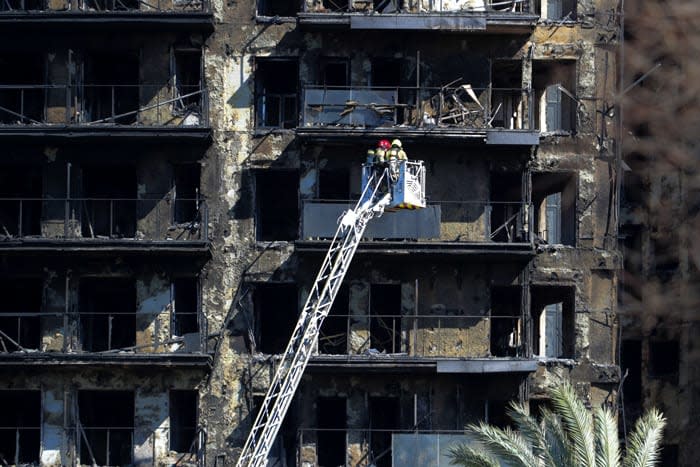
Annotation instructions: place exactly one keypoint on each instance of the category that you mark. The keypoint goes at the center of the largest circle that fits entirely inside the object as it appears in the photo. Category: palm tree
(567, 436)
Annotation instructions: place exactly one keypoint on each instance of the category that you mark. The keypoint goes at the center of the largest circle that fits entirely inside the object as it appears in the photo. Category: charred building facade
(172, 172)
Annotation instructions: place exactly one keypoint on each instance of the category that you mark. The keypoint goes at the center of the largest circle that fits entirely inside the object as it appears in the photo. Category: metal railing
(161, 105)
(444, 221)
(458, 106)
(167, 218)
(25, 445)
(447, 335)
(105, 6)
(416, 6)
(276, 110)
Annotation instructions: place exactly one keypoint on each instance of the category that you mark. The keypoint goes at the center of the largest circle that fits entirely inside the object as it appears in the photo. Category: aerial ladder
(398, 184)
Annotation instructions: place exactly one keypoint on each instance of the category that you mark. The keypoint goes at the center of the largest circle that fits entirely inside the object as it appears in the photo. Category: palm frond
(466, 456)
(607, 443)
(577, 422)
(505, 444)
(557, 442)
(644, 442)
(531, 432)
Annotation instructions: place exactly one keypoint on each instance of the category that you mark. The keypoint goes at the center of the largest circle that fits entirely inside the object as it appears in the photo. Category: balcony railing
(157, 219)
(104, 105)
(408, 6)
(448, 335)
(424, 107)
(445, 221)
(104, 6)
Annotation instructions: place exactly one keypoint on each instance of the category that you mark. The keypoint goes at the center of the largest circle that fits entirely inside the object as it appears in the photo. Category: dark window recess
(21, 105)
(282, 451)
(277, 201)
(107, 419)
(276, 93)
(669, 455)
(19, 308)
(109, 205)
(506, 338)
(187, 193)
(20, 427)
(183, 421)
(333, 338)
(20, 205)
(336, 5)
(334, 184)
(110, 5)
(506, 196)
(276, 313)
(631, 362)
(22, 5)
(554, 84)
(664, 360)
(556, 9)
(553, 321)
(278, 7)
(107, 313)
(554, 197)
(389, 6)
(335, 72)
(385, 317)
(185, 318)
(386, 72)
(383, 417)
(506, 100)
(497, 413)
(111, 88)
(188, 80)
(536, 406)
(666, 259)
(331, 419)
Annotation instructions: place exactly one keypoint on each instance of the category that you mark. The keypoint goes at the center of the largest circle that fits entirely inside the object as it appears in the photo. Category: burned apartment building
(173, 171)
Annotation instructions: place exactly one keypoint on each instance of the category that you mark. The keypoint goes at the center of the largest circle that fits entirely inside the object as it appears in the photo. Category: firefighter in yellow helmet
(397, 150)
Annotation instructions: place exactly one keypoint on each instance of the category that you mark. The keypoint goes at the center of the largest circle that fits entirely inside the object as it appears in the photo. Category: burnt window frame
(196, 101)
(261, 344)
(262, 18)
(263, 235)
(259, 94)
(81, 429)
(18, 429)
(194, 428)
(198, 315)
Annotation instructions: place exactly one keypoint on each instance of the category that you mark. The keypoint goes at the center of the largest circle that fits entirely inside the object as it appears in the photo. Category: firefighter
(371, 157)
(397, 150)
(381, 152)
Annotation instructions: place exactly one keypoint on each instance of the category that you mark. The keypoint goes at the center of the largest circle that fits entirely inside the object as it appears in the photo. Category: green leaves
(645, 441)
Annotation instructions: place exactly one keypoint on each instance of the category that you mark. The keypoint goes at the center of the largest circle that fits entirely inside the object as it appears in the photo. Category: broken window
(505, 207)
(187, 81)
(185, 315)
(105, 434)
(107, 313)
(20, 427)
(554, 197)
(384, 415)
(276, 313)
(19, 313)
(631, 363)
(21, 96)
(385, 317)
(553, 321)
(331, 420)
(554, 85)
(276, 93)
(556, 10)
(111, 88)
(507, 94)
(183, 421)
(506, 333)
(334, 183)
(186, 193)
(20, 200)
(277, 204)
(277, 7)
(664, 360)
(333, 338)
(109, 206)
(335, 72)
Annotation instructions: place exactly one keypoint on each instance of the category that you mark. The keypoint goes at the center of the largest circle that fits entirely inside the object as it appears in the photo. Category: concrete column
(153, 313)
(151, 436)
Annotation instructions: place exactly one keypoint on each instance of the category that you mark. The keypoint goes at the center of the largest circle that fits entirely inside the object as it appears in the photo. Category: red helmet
(384, 144)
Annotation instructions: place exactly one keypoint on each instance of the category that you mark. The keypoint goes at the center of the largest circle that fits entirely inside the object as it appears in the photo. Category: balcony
(115, 226)
(489, 16)
(162, 14)
(461, 114)
(98, 111)
(447, 227)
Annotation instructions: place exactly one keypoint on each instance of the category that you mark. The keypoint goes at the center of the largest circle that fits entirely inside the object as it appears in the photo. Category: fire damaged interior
(172, 177)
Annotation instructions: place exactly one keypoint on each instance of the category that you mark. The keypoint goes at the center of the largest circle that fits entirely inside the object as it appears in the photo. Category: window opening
(107, 313)
(507, 94)
(333, 338)
(185, 319)
(20, 427)
(20, 200)
(554, 197)
(22, 101)
(631, 362)
(384, 415)
(335, 72)
(187, 178)
(506, 333)
(554, 85)
(334, 184)
(331, 419)
(276, 313)
(109, 206)
(276, 90)
(19, 309)
(107, 427)
(385, 317)
(188, 81)
(277, 200)
(664, 360)
(553, 321)
(277, 8)
(183, 421)
(111, 88)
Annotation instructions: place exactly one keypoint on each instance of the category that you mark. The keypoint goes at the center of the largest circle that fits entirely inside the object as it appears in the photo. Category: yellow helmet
(396, 142)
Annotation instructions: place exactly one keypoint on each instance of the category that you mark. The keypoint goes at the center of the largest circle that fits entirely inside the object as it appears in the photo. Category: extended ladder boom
(301, 345)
